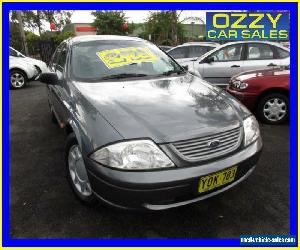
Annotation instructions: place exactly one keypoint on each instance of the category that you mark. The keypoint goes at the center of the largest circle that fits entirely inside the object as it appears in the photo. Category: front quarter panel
(240, 108)
(91, 128)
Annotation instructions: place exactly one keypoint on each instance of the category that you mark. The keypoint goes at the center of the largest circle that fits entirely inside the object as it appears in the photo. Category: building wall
(82, 29)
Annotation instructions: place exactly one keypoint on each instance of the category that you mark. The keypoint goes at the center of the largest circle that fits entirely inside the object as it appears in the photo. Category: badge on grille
(213, 144)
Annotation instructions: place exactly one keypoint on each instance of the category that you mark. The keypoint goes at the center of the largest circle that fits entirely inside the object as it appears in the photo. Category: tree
(164, 27)
(33, 20)
(22, 32)
(59, 17)
(109, 22)
(15, 40)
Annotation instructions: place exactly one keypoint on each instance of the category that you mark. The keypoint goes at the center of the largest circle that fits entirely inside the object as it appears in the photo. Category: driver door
(55, 92)
(227, 62)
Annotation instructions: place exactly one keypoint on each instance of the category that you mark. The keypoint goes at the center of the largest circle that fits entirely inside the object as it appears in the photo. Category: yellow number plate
(218, 179)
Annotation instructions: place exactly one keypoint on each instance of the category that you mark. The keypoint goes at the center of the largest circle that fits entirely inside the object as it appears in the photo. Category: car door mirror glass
(48, 78)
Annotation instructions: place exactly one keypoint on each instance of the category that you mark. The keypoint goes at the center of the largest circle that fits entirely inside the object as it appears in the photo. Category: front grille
(198, 148)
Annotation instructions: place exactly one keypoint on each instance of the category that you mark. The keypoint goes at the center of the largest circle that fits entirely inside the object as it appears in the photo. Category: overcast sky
(136, 16)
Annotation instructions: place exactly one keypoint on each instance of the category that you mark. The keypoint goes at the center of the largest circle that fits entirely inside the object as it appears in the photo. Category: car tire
(76, 172)
(273, 108)
(17, 79)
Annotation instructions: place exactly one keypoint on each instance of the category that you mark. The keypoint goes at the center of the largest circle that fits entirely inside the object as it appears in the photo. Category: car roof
(254, 41)
(89, 38)
(205, 44)
(201, 43)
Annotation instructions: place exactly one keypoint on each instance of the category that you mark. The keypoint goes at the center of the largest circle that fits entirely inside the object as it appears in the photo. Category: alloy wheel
(78, 171)
(17, 80)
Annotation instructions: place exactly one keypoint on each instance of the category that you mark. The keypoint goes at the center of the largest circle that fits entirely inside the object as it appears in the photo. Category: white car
(20, 72)
(40, 65)
(220, 64)
(23, 69)
(188, 52)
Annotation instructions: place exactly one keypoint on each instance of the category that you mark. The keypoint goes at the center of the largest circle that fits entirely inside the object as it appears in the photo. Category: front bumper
(248, 99)
(163, 189)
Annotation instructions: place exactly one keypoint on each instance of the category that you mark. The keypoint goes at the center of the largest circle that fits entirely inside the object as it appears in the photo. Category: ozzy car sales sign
(247, 26)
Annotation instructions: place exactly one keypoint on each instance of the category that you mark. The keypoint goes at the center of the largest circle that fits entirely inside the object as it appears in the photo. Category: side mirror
(49, 78)
(209, 59)
(186, 67)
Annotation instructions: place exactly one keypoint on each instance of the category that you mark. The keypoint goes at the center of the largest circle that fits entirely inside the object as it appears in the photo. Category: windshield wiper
(170, 72)
(120, 76)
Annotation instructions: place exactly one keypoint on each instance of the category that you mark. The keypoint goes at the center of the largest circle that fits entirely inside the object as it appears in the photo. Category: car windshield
(114, 59)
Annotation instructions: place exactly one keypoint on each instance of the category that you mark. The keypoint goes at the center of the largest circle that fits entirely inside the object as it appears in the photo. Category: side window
(282, 53)
(259, 51)
(229, 53)
(54, 58)
(61, 60)
(178, 53)
(197, 51)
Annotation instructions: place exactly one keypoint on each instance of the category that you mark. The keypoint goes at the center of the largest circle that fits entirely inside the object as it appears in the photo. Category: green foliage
(32, 43)
(34, 19)
(109, 22)
(63, 36)
(33, 40)
(164, 28)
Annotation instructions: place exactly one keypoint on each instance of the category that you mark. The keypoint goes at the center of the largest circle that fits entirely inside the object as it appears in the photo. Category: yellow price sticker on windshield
(115, 58)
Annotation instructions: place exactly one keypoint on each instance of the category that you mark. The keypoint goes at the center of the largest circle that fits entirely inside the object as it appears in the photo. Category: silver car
(188, 52)
(219, 65)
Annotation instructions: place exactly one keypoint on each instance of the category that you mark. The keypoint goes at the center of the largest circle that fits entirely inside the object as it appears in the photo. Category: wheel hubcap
(275, 109)
(17, 80)
(78, 171)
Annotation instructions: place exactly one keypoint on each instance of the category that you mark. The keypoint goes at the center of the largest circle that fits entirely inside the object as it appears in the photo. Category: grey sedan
(142, 133)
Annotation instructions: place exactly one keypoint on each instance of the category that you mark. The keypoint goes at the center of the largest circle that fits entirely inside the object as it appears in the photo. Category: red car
(265, 92)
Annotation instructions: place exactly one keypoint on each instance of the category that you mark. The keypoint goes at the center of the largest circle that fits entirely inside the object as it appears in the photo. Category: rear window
(180, 52)
(197, 51)
(282, 53)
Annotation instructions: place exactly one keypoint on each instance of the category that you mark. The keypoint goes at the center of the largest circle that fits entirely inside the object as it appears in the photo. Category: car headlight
(133, 155)
(251, 130)
(239, 85)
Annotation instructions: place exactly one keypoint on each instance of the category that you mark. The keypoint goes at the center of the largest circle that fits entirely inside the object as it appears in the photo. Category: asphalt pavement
(43, 206)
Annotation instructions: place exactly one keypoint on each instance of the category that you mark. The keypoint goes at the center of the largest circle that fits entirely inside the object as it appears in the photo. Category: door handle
(235, 66)
(272, 65)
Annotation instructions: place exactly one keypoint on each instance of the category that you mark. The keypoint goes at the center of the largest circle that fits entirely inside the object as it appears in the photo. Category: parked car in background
(165, 48)
(20, 72)
(143, 133)
(265, 92)
(219, 65)
(40, 65)
(188, 52)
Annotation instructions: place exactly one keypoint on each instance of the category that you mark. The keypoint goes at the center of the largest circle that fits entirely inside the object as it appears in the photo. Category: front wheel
(273, 108)
(77, 173)
(17, 79)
